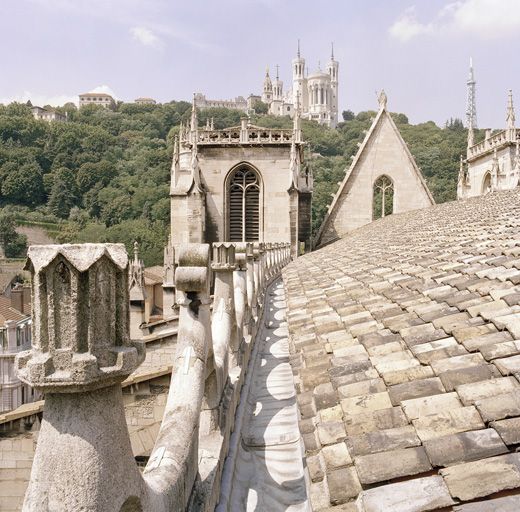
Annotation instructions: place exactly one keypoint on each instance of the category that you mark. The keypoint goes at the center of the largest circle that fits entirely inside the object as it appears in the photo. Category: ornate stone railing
(240, 136)
(494, 141)
(82, 352)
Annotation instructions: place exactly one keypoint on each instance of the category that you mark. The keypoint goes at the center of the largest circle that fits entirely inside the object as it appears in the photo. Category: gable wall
(384, 154)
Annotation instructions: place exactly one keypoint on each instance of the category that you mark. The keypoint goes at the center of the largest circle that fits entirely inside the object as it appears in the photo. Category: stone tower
(267, 93)
(299, 83)
(333, 68)
(277, 87)
(241, 184)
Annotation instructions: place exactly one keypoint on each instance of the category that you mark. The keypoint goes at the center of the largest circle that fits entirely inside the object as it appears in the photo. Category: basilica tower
(277, 87)
(267, 93)
(299, 80)
(332, 69)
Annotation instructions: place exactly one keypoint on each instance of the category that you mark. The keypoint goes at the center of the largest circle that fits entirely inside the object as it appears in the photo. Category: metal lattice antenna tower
(471, 104)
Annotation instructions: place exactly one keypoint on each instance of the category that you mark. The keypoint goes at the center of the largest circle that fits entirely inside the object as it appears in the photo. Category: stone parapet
(82, 352)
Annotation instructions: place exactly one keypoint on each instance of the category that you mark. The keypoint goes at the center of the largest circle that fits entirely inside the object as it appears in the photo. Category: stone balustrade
(252, 135)
(494, 141)
(82, 352)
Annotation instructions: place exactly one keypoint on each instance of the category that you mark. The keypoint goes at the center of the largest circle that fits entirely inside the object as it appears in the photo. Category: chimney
(26, 298)
(17, 297)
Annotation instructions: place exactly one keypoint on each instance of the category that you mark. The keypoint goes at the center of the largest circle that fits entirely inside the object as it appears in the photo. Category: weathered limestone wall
(384, 153)
(272, 163)
(159, 354)
(478, 169)
(16, 455)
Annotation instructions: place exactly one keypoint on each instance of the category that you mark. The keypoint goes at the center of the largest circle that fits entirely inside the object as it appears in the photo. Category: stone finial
(240, 254)
(510, 115)
(382, 99)
(193, 274)
(224, 256)
(80, 318)
(136, 277)
(169, 263)
(250, 250)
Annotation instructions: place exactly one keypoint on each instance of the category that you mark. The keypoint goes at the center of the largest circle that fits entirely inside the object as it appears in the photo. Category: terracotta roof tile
(412, 325)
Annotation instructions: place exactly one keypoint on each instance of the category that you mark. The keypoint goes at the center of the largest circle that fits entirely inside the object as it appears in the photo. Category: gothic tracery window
(383, 198)
(244, 205)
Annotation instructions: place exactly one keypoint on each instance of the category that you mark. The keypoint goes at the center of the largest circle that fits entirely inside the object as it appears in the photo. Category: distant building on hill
(314, 95)
(145, 101)
(15, 336)
(47, 114)
(239, 103)
(96, 98)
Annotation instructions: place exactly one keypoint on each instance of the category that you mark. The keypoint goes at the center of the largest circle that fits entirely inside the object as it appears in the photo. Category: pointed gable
(383, 152)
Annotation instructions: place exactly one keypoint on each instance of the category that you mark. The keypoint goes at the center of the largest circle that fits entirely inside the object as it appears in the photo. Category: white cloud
(408, 27)
(104, 88)
(145, 36)
(57, 100)
(41, 99)
(485, 19)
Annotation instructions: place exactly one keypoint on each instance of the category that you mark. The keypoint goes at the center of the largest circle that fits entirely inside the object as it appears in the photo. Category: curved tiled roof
(405, 339)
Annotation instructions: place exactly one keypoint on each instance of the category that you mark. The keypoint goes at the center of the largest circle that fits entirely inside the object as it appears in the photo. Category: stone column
(268, 261)
(173, 466)
(251, 285)
(81, 353)
(169, 281)
(263, 269)
(10, 326)
(260, 266)
(256, 275)
(240, 287)
(278, 259)
(223, 322)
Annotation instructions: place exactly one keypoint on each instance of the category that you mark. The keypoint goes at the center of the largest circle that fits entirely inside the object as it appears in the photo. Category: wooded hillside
(104, 175)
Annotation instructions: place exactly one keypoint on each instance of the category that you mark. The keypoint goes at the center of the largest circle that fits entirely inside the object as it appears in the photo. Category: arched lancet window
(486, 184)
(383, 199)
(244, 205)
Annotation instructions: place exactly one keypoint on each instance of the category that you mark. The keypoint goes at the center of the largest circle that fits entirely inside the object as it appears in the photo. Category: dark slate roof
(405, 339)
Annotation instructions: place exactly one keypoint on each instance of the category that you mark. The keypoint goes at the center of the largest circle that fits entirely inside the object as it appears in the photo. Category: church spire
(194, 121)
(298, 53)
(510, 117)
(332, 51)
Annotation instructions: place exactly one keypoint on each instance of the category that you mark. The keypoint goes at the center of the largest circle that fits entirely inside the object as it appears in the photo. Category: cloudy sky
(417, 50)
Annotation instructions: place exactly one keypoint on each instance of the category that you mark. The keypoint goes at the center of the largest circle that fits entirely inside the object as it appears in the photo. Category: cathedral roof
(405, 342)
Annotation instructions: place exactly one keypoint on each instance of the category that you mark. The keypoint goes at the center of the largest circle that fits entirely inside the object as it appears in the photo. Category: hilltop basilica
(315, 94)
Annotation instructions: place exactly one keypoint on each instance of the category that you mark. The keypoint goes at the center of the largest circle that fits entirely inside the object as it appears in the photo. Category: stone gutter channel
(264, 467)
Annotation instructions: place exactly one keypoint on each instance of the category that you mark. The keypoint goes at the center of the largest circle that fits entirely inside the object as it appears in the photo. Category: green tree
(260, 107)
(348, 115)
(13, 243)
(24, 184)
